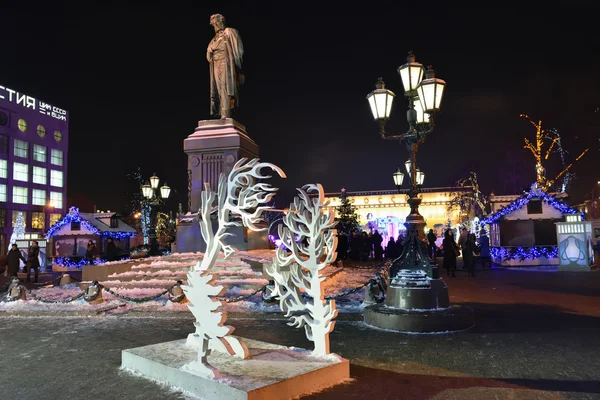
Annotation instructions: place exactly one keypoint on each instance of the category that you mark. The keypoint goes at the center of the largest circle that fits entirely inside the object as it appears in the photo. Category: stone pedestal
(271, 372)
(214, 147)
(416, 303)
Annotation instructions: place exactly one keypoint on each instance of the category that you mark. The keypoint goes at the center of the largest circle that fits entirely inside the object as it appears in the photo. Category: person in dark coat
(469, 254)
(431, 238)
(33, 261)
(451, 251)
(390, 250)
(90, 253)
(484, 252)
(377, 249)
(111, 250)
(13, 259)
(342, 246)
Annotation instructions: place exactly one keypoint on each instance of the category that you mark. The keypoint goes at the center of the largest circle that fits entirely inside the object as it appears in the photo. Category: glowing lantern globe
(154, 181)
(165, 191)
(420, 177)
(380, 101)
(147, 191)
(422, 116)
(411, 74)
(398, 178)
(430, 91)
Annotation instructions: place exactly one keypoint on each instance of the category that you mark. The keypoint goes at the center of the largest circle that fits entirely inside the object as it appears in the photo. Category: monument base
(453, 318)
(415, 303)
(271, 372)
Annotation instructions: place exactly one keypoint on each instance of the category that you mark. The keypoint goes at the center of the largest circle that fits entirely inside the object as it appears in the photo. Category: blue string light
(70, 263)
(522, 201)
(74, 216)
(523, 253)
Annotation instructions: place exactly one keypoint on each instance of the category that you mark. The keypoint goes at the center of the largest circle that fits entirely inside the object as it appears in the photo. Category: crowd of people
(14, 258)
(363, 246)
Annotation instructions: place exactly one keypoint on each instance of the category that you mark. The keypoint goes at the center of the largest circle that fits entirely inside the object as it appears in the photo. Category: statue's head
(218, 22)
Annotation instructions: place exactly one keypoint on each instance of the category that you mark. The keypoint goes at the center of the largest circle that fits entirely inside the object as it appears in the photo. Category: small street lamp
(149, 191)
(424, 99)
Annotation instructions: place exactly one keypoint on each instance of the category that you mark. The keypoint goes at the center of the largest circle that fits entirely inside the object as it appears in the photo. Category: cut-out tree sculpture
(241, 194)
(299, 268)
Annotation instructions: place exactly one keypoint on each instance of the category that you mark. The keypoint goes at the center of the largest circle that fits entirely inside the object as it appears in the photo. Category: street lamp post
(416, 299)
(153, 200)
(424, 98)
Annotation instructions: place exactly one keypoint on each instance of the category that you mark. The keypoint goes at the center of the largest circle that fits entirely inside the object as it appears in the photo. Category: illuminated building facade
(386, 210)
(33, 163)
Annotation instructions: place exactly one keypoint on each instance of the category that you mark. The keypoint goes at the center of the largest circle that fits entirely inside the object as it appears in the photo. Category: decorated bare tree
(241, 194)
(468, 198)
(299, 268)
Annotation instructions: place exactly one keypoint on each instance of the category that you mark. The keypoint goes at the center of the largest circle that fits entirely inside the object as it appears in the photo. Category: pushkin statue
(224, 54)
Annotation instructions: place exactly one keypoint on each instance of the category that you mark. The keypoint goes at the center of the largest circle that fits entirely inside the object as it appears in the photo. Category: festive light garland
(74, 216)
(523, 253)
(522, 201)
(68, 262)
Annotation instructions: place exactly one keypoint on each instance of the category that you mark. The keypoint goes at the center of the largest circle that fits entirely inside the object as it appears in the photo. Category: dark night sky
(134, 78)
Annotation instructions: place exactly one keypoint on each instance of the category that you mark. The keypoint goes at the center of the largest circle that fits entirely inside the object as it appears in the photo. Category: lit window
(54, 218)
(20, 172)
(3, 193)
(57, 136)
(3, 169)
(37, 220)
(56, 157)
(19, 195)
(41, 131)
(39, 153)
(38, 197)
(56, 199)
(22, 124)
(21, 148)
(15, 215)
(56, 178)
(39, 175)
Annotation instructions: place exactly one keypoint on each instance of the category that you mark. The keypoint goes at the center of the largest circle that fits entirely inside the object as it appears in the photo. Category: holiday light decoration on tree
(299, 267)
(540, 156)
(468, 200)
(18, 230)
(346, 215)
(239, 194)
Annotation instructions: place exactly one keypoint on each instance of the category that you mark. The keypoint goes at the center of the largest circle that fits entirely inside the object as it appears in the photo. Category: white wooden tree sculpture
(240, 193)
(307, 232)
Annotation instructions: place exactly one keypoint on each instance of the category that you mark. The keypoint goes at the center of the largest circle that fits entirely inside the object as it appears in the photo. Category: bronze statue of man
(224, 54)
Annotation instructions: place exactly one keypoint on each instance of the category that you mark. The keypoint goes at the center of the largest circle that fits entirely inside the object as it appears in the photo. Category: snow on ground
(151, 270)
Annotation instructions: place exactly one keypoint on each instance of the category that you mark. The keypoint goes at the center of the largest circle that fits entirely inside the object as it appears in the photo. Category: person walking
(451, 251)
(111, 250)
(484, 252)
(469, 254)
(13, 259)
(431, 238)
(33, 261)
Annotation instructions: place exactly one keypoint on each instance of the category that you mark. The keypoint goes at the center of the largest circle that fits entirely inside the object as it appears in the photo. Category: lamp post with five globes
(424, 98)
(149, 191)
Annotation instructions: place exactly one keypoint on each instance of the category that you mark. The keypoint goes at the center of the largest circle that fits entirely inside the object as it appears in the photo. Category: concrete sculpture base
(453, 318)
(271, 372)
(416, 303)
